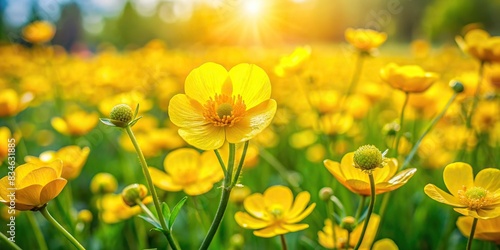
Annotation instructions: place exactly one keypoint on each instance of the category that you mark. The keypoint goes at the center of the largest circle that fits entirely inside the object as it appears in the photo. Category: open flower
(114, 209)
(358, 182)
(275, 212)
(72, 157)
(478, 198)
(39, 32)
(293, 63)
(222, 106)
(11, 103)
(488, 230)
(76, 123)
(365, 39)
(35, 185)
(479, 44)
(188, 170)
(326, 236)
(408, 78)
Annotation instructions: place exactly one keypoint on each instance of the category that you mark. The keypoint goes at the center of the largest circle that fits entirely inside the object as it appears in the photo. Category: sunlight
(253, 7)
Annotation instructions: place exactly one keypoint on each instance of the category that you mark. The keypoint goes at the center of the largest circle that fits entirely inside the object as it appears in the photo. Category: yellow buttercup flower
(222, 106)
(488, 230)
(358, 182)
(73, 158)
(39, 32)
(479, 44)
(11, 103)
(114, 209)
(5, 138)
(103, 183)
(275, 212)
(365, 39)
(325, 237)
(478, 198)
(408, 78)
(188, 170)
(75, 123)
(35, 185)
(292, 63)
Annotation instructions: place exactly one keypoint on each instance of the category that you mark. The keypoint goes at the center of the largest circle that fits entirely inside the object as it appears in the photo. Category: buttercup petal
(299, 205)
(279, 195)
(441, 196)
(198, 188)
(303, 215)
(294, 227)
(206, 137)
(251, 82)
(163, 181)
(247, 221)
(488, 178)
(256, 119)
(205, 82)
(185, 112)
(255, 205)
(52, 190)
(270, 231)
(456, 176)
(349, 171)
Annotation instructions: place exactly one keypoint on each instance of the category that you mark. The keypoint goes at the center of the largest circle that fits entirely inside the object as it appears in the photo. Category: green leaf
(136, 110)
(132, 123)
(176, 211)
(166, 212)
(150, 221)
(107, 121)
(158, 229)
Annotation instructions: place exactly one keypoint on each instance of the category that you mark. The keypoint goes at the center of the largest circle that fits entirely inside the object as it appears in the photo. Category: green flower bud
(457, 86)
(325, 193)
(348, 223)
(134, 192)
(368, 157)
(122, 113)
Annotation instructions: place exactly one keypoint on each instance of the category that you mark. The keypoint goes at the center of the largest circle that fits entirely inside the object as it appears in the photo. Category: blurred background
(243, 22)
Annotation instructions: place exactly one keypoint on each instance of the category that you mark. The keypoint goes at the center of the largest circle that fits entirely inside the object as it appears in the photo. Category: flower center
(474, 197)
(276, 211)
(224, 110)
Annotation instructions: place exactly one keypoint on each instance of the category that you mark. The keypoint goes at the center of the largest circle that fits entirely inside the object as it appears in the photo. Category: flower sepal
(123, 112)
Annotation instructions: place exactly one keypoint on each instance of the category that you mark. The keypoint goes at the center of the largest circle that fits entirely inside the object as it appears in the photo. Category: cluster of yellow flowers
(203, 117)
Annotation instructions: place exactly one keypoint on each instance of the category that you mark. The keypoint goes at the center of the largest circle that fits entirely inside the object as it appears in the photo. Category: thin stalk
(401, 122)
(278, 166)
(9, 243)
(283, 242)
(356, 75)
(146, 210)
(156, 201)
(370, 210)
(226, 191)
(42, 244)
(348, 242)
(427, 130)
(330, 211)
(360, 207)
(476, 95)
(472, 231)
(61, 229)
(240, 165)
(221, 162)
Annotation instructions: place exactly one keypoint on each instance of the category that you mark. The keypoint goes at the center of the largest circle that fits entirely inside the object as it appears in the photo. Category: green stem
(42, 244)
(472, 231)
(278, 166)
(370, 210)
(401, 121)
(146, 210)
(226, 191)
(427, 130)
(9, 243)
(330, 211)
(61, 229)
(476, 95)
(221, 162)
(283, 242)
(360, 207)
(356, 75)
(240, 165)
(348, 242)
(156, 201)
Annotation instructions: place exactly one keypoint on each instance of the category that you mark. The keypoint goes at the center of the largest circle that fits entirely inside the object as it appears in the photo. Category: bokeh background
(88, 23)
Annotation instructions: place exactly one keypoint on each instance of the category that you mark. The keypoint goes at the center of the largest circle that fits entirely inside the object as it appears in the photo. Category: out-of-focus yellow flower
(73, 158)
(5, 137)
(420, 48)
(478, 198)
(493, 75)
(408, 78)
(316, 153)
(11, 103)
(486, 116)
(84, 216)
(114, 209)
(131, 99)
(103, 183)
(336, 123)
(385, 244)
(292, 63)
(75, 123)
(303, 139)
(39, 32)
(358, 182)
(239, 193)
(325, 100)
(222, 106)
(35, 184)
(479, 44)
(326, 236)
(188, 170)
(365, 39)
(488, 230)
(275, 212)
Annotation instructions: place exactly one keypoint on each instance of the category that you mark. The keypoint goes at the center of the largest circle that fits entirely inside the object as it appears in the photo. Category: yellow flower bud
(103, 183)
(348, 223)
(122, 114)
(134, 192)
(325, 193)
(85, 216)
